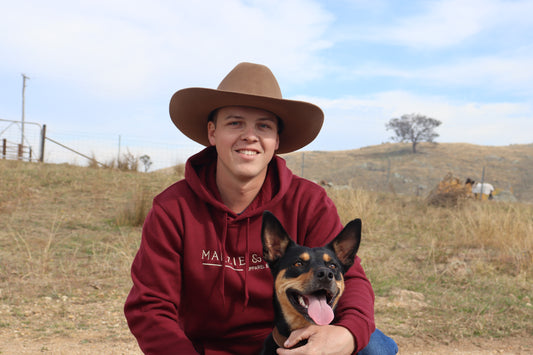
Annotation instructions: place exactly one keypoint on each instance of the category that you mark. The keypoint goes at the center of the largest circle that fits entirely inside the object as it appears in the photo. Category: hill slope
(447, 280)
(392, 167)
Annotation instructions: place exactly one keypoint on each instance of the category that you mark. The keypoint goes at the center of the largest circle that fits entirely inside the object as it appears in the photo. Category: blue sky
(110, 67)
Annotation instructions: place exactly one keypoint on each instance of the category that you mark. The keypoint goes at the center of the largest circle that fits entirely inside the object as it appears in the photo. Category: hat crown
(251, 79)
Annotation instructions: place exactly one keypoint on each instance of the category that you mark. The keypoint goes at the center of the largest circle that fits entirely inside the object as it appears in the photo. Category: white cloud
(447, 23)
(503, 73)
(507, 73)
(124, 48)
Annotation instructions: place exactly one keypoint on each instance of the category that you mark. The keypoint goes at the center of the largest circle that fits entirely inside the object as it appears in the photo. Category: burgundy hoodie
(200, 284)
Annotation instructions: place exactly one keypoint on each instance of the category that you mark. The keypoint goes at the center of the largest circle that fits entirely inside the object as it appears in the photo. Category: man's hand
(324, 339)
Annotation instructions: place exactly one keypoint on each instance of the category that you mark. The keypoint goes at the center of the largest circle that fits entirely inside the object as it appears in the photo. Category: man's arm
(152, 304)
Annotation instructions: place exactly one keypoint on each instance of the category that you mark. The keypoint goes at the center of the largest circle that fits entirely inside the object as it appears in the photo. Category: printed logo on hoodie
(237, 263)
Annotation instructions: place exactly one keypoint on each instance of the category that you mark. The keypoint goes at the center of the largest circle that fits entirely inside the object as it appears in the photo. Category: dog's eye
(332, 266)
(297, 264)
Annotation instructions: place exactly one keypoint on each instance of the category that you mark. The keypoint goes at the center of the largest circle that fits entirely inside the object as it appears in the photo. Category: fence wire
(83, 149)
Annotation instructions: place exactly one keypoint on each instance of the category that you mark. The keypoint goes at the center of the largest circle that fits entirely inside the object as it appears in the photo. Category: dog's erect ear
(346, 244)
(274, 237)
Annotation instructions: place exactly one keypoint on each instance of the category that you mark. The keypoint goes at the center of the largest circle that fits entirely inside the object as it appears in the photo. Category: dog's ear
(274, 237)
(346, 244)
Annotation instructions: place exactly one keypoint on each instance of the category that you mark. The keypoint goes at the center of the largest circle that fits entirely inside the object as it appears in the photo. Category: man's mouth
(247, 152)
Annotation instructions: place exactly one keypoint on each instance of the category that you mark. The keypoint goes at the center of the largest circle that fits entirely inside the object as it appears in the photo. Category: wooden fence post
(4, 148)
(43, 138)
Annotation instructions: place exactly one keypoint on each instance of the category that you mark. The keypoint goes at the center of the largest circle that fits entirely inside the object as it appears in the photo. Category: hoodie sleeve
(152, 304)
(355, 310)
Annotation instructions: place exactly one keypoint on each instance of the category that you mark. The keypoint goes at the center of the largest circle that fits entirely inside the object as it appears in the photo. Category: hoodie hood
(200, 175)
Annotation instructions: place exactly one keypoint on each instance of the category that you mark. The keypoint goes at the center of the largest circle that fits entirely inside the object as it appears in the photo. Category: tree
(414, 128)
(147, 162)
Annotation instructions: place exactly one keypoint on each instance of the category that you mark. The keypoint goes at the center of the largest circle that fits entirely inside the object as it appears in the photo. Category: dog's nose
(324, 274)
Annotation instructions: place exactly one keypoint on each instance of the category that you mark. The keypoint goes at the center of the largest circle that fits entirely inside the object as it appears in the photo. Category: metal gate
(17, 143)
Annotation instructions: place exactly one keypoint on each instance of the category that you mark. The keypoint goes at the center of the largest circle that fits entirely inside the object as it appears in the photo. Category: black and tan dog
(308, 282)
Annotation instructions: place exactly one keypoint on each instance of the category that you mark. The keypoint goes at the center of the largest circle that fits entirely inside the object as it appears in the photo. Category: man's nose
(249, 133)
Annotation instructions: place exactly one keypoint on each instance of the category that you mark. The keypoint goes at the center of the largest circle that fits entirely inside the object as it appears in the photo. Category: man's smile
(247, 152)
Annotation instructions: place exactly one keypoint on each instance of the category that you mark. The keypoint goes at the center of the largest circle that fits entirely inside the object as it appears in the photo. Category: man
(200, 285)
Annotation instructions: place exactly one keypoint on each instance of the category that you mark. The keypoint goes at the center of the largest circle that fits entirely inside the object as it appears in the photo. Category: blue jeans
(379, 344)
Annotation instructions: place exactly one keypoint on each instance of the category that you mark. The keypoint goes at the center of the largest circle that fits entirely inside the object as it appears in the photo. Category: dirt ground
(13, 343)
(70, 325)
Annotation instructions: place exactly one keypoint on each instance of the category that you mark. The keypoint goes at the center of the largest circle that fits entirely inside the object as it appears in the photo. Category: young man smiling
(200, 284)
(245, 139)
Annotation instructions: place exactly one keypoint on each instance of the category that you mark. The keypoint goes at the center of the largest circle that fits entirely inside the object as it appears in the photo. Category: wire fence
(51, 145)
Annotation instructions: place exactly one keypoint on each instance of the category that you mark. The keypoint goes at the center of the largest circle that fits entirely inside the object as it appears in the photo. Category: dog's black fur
(300, 272)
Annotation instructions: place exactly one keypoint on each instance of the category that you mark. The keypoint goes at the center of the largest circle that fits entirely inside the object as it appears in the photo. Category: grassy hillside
(68, 235)
(393, 168)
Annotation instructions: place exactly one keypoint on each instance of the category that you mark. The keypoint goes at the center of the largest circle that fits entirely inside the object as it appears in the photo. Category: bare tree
(147, 162)
(414, 128)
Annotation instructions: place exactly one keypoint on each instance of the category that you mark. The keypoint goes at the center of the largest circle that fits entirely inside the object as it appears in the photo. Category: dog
(308, 282)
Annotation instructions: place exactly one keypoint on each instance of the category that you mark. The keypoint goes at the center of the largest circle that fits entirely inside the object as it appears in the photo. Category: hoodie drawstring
(222, 278)
(246, 264)
(223, 257)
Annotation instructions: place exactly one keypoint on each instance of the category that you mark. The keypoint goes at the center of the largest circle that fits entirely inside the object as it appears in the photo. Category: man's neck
(239, 194)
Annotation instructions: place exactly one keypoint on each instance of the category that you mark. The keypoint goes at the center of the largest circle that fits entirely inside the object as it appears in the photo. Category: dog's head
(308, 282)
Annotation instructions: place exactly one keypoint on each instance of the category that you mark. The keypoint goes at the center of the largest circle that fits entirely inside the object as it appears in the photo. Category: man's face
(246, 139)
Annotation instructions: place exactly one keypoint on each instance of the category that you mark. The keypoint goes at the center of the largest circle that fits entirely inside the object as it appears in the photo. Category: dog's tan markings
(326, 257)
(305, 256)
(340, 287)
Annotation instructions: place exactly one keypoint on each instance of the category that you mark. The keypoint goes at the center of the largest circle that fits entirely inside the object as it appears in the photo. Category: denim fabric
(379, 344)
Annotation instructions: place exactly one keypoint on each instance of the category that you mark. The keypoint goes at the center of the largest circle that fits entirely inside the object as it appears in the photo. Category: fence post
(4, 148)
(20, 151)
(43, 138)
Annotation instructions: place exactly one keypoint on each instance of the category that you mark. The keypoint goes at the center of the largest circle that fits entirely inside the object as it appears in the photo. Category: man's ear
(211, 132)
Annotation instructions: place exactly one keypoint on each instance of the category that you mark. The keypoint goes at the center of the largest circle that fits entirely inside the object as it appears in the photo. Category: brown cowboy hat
(251, 85)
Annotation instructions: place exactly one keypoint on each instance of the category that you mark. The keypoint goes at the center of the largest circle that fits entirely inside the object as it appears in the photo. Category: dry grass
(68, 236)
(469, 267)
(393, 168)
(134, 212)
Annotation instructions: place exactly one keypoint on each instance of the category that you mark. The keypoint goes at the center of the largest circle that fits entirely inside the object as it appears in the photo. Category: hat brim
(190, 109)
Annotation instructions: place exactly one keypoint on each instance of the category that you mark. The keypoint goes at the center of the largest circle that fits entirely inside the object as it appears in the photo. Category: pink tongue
(319, 310)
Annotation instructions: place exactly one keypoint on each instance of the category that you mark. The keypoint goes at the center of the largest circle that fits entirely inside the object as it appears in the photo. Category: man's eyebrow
(272, 119)
(232, 116)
